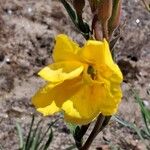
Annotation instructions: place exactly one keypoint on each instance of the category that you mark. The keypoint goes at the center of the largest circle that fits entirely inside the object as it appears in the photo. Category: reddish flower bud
(93, 4)
(104, 10)
(115, 18)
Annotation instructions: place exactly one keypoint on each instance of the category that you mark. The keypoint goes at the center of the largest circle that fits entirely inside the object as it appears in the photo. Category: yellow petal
(113, 73)
(111, 98)
(49, 110)
(72, 89)
(78, 120)
(61, 71)
(90, 101)
(42, 97)
(52, 96)
(65, 49)
(96, 52)
(83, 107)
(73, 116)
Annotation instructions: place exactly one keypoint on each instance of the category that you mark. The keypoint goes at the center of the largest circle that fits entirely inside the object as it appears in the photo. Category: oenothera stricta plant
(83, 82)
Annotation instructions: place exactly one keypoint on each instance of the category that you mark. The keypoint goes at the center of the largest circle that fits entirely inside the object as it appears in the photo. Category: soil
(27, 31)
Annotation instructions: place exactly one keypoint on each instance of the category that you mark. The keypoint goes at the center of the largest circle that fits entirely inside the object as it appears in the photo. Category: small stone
(29, 9)
(9, 12)
(137, 21)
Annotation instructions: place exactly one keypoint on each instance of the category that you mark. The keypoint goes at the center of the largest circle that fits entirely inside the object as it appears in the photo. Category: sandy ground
(27, 31)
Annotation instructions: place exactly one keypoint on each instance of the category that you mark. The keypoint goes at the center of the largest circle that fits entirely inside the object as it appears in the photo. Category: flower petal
(90, 101)
(49, 110)
(83, 107)
(42, 97)
(61, 71)
(98, 54)
(65, 49)
(112, 74)
(109, 105)
(52, 96)
(73, 115)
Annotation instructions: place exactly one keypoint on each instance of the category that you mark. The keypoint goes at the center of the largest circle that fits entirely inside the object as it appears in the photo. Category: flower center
(91, 71)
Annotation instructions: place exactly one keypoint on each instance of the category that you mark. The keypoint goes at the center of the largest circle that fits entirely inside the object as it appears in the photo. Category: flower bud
(115, 18)
(79, 5)
(93, 5)
(104, 10)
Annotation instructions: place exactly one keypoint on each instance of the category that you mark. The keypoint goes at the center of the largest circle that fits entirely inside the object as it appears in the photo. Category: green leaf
(35, 133)
(35, 140)
(72, 128)
(44, 134)
(144, 111)
(142, 106)
(82, 26)
(146, 124)
(1, 148)
(76, 132)
(19, 130)
(130, 125)
(71, 147)
(70, 11)
(28, 141)
(48, 142)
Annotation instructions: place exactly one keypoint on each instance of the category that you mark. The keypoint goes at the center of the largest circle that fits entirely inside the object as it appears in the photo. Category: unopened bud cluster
(107, 13)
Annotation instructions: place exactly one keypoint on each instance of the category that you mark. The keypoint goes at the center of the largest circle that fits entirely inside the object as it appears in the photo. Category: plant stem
(79, 135)
(105, 122)
(94, 132)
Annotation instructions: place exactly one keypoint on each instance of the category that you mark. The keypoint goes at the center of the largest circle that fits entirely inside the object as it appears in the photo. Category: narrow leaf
(144, 111)
(130, 125)
(30, 130)
(19, 130)
(70, 11)
(35, 138)
(49, 140)
(72, 128)
(44, 135)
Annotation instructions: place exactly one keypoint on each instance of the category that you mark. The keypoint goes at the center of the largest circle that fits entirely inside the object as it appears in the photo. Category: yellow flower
(82, 82)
